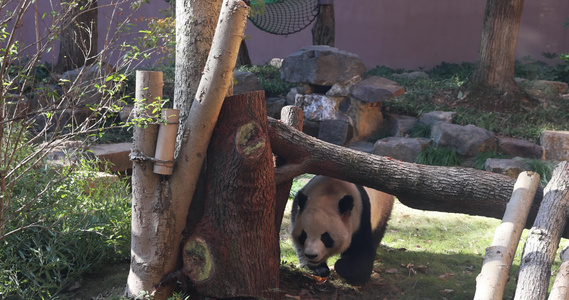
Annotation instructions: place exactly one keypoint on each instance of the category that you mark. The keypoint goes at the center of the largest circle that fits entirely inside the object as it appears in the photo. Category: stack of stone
(339, 107)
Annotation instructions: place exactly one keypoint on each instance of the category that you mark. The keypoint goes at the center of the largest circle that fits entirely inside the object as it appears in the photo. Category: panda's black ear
(346, 204)
(301, 200)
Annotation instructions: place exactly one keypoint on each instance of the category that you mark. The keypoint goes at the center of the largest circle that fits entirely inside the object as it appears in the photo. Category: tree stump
(234, 250)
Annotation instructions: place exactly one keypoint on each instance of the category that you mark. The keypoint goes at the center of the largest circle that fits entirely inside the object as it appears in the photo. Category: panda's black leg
(355, 270)
(321, 270)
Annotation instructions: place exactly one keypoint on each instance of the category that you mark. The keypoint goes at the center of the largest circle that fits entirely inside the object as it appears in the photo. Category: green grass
(438, 157)
(270, 79)
(423, 255)
(446, 82)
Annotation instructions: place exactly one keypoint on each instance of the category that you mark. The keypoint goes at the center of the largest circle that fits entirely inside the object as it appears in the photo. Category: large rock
(398, 125)
(367, 118)
(318, 107)
(522, 148)
(467, 140)
(433, 117)
(321, 65)
(405, 149)
(376, 89)
(245, 82)
(115, 154)
(337, 132)
(508, 167)
(556, 144)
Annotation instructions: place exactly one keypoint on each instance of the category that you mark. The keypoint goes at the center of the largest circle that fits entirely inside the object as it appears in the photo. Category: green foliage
(542, 168)
(450, 70)
(420, 130)
(270, 78)
(160, 35)
(438, 157)
(73, 227)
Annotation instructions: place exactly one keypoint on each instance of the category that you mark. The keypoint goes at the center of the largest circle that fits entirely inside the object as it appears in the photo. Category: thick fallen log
(543, 239)
(491, 281)
(444, 189)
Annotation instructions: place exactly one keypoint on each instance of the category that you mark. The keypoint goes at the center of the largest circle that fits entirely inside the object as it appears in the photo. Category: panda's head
(324, 225)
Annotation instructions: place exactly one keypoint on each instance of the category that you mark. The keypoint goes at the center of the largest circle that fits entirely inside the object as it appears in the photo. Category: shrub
(70, 229)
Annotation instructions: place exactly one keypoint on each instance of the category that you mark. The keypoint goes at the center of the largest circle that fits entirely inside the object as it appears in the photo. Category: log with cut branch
(543, 239)
(445, 189)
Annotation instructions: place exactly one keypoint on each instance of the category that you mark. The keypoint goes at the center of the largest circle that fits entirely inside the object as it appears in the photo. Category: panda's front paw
(353, 273)
(321, 270)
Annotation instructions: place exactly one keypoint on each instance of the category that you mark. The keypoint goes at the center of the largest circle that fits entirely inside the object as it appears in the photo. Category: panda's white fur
(332, 216)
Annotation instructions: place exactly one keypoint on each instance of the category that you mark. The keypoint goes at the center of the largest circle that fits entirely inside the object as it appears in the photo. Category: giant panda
(331, 216)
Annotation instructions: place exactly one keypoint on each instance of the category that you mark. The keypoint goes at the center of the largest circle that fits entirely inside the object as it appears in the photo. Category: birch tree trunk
(560, 289)
(491, 282)
(195, 26)
(543, 240)
(234, 250)
(148, 219)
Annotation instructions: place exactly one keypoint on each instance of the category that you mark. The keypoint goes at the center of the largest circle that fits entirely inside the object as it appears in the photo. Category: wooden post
(543, 240)
(560, 289)
(234, 250)
(491, 282)
(292, 116)
(147, 217)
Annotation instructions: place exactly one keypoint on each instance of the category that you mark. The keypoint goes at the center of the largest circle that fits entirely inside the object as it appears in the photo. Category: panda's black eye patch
(302, 237)
(327, 240)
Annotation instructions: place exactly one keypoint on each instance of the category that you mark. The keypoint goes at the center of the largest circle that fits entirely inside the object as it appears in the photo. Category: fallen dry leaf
(445, 276)
(392, 271)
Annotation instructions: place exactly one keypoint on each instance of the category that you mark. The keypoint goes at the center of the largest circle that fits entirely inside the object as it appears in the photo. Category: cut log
(544, 236)
(445, 189)
(560, 289)
(491, 282)
(292, 116)
(234, 250)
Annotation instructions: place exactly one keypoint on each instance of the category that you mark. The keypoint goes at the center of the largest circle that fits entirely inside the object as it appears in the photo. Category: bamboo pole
(491, 281)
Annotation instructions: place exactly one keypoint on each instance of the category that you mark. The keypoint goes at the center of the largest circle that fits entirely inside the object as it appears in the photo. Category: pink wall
(408, 34)
(110, 14)
(421, 34)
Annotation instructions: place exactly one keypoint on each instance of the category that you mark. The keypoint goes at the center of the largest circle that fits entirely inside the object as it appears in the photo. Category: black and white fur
(331, 216)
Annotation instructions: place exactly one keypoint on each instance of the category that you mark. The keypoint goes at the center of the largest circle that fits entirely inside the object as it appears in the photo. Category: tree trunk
(78, 40)
(323, 31)
(148, 217)
(491, 282)
(543, 240)
(195, 26)
(234, 251)
(496, 58)
(292, 116)
(445, 189)
(560, 289)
